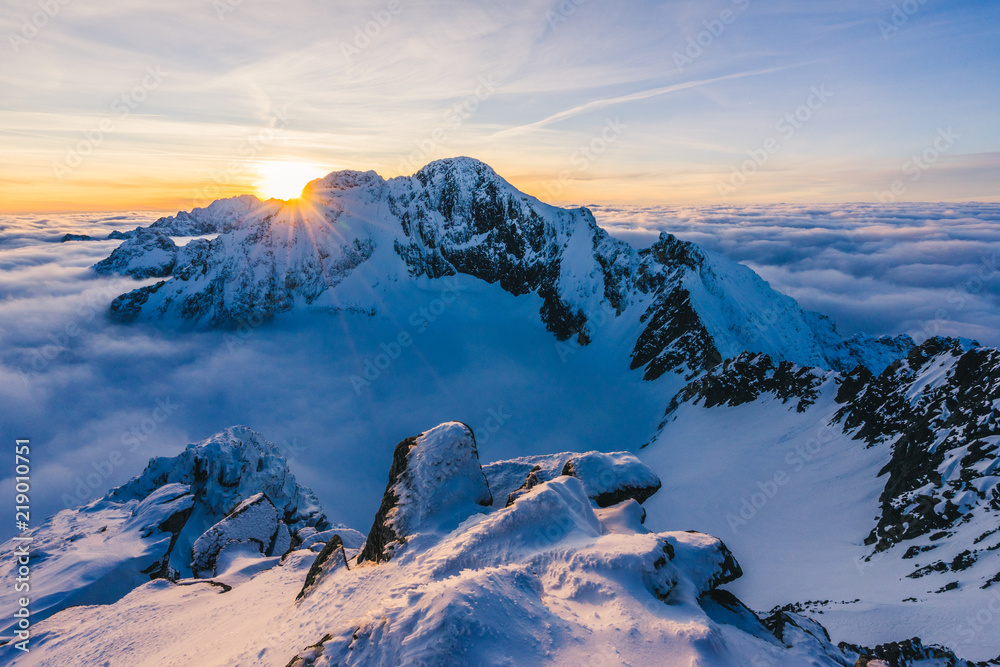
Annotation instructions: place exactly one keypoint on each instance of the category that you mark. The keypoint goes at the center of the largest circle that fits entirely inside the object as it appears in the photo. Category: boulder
(435, 483)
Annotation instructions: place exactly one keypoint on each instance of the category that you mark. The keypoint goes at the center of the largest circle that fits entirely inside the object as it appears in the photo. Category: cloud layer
(921, 269)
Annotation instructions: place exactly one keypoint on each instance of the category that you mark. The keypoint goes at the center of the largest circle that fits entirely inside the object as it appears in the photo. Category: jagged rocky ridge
(354, 233)
(940, 409)
(937, 411)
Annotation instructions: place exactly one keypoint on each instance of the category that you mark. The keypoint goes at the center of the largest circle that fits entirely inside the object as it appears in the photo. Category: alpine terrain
(807, 499)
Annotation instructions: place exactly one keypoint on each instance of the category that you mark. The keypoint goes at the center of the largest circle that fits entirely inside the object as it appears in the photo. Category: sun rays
(285, 180)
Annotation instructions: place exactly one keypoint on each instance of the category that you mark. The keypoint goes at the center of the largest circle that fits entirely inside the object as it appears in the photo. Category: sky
(113, 105)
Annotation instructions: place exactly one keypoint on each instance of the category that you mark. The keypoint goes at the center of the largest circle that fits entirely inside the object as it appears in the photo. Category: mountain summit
(354, 236)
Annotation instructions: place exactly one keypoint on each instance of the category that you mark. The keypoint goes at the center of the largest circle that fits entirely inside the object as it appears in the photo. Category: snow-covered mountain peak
(354, 235)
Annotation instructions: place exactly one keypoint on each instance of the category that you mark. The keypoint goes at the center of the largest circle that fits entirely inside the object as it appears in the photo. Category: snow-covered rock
(330, 557)
(435, 483)
(353, 235)
(608, 478)
(218, 216)
(147, 253)
(254, 522)
(231, 487)
(549, 579)
(97, 553)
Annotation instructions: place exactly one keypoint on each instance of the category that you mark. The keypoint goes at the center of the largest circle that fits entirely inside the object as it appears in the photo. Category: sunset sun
(285, 180)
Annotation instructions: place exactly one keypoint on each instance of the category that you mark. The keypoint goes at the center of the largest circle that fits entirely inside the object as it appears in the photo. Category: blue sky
(696, 90)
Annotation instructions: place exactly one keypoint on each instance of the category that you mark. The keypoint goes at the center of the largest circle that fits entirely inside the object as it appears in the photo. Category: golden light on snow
(285, 180)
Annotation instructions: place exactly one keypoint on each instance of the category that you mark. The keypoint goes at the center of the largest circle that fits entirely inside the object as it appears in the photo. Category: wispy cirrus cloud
(621, 99)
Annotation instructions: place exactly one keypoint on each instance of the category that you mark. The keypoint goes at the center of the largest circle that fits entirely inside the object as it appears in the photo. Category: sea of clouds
(921, 269)
(99, 399)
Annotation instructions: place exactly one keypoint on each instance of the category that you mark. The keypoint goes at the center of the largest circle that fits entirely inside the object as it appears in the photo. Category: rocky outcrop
(435, 482)
(938, 409)
(75, 237)
(612, 478)
(174, 520)
(254, 522)
(223, 471)
(746, 378)
(330, 557)
(908, 653)
(608, 478)
(147, 253)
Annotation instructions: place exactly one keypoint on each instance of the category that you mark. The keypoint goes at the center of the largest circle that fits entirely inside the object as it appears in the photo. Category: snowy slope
(549, 579)
(354, 236)
(872, 497)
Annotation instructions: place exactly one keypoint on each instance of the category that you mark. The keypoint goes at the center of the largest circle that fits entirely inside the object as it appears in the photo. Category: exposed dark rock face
(382, 533)
(729, 569)
(674, 337)
(745, 378)
(909, 653)
(535, 477)
(173, 524)
(75, 237)
(938, 403)
(464, 220)
(127, 307)
(309, 655)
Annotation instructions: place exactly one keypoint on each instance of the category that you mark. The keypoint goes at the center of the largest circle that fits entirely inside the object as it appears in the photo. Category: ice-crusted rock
(254, 522)
(687, 308)
(223, 471)
(146, 528)
(608, 478)
(435, 482)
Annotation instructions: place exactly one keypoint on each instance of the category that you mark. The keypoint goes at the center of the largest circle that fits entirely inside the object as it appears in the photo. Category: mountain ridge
(354, 234)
